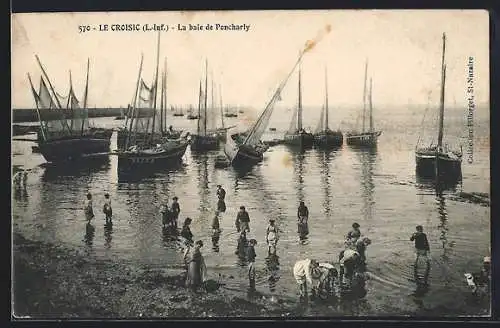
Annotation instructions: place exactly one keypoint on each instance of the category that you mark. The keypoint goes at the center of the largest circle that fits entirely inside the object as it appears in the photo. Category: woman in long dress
(196, 269)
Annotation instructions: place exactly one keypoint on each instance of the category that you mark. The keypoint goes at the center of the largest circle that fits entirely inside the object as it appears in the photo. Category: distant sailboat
(324, 137)
(439, 161)
(365, 138)
(69, 137)
(246, 148)
(296, 135)
(204, 139)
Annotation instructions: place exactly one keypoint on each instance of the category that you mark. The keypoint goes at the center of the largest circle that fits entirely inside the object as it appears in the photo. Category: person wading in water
(305, 271)
(250, 256)
(221, 195)
(107, 210)
(353, 236)
(186, 231)
(89, 210)
(271, 237)
(242, 220)
(196, 269)
(175, 209)
(302, 218)
(422, 249)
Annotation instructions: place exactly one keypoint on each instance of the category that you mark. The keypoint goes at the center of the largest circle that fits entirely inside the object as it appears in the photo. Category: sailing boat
(66, 138)
(204, 140)
(150, 151)
(296, 134)
(324, 137)
(246, 148)
(365, 138)
(439, 161)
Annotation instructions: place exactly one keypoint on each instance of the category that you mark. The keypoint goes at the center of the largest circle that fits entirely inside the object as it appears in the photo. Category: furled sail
(145, 101)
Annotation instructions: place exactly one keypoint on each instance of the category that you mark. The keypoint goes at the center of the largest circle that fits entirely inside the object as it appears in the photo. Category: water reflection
(201, 161)
(108, 232)
(83, 167)
(298, 172)
(215, 240)
(367, 156)
(146, 174)
(88, 238)
(325, 158)
(273, 270)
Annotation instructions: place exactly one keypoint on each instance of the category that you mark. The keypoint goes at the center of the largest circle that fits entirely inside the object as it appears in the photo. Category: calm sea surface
(376, 189)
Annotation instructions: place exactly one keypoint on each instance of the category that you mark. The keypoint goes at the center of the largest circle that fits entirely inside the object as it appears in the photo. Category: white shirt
(303, 268)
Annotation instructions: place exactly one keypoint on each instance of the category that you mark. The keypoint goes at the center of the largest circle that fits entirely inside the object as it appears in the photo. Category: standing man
(175, 209)
(422, 249)
(302, 218)
(251, 255)
(242, 220)
(221, 195)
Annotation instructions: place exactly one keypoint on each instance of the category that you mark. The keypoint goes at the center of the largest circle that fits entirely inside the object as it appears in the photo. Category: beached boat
(246, 148)
(297, 136)
(69, 137)
(365, 138)
(149, 152)
(439, 161)
(325, 138)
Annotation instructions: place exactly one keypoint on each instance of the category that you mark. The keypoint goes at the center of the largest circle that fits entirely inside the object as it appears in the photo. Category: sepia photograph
(250, 164)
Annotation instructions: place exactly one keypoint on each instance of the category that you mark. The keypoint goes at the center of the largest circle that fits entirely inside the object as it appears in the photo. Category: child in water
(353, 236)
(251, 255)
(89, 210)
(242, 244)
(107, 210)
(272, 237)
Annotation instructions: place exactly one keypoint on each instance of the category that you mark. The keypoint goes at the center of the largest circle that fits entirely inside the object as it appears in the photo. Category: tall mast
(371, 106)
(161, 101)
(70, 98)
(85, 95)
(37, 109)
(326, 100)
(165, 95)
(441, 104)
(155, 86)
(205, 102)
(299, 111)
(364, 96)
(48, 80)
(200, 94)
(132, 111)
(221, 107)
(212, 107)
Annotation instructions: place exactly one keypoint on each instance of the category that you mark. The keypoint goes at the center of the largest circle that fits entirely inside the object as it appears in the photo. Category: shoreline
(52, 281)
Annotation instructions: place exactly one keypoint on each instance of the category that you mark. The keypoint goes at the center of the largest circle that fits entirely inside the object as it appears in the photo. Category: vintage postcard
(251, 164)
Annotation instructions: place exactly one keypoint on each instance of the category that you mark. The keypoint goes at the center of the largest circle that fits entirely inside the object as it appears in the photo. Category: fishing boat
(178, 112)
(230, 112)
(69, 137)
(439, 161)
(324, 137)
(151, 151)
(139, 135)
(204, 140)
(246, 148)
(365, 138)
(297, 136)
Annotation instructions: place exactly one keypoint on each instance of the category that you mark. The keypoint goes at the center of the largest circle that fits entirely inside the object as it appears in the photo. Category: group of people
(106, 209)
(323, 276)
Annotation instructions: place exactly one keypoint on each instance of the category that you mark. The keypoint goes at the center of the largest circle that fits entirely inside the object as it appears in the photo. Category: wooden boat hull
(140, 137)
(72, 148)
(328, 140)
(242, 155)
(442, 166)
(302, 140)
(129, 160)
(204, 143)
(178, 114)
(366, 139)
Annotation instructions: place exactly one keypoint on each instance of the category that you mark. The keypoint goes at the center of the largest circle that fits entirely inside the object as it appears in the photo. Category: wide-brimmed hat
(355, 225)
(272, 220)
(218, 186)
(175, 198)
(316, 273)
(366, 240)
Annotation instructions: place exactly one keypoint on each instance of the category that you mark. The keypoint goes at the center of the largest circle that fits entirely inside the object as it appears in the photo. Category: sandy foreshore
(51, 281)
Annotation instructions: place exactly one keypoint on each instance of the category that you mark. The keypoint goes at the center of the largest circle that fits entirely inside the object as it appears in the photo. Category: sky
(403, 49)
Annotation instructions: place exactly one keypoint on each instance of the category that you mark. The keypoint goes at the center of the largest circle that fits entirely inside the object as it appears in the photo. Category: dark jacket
(175, 209)
(250, 254)
(243, 217)
(303, 211)
(221, 193)
(186, 233)
(421, 242)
